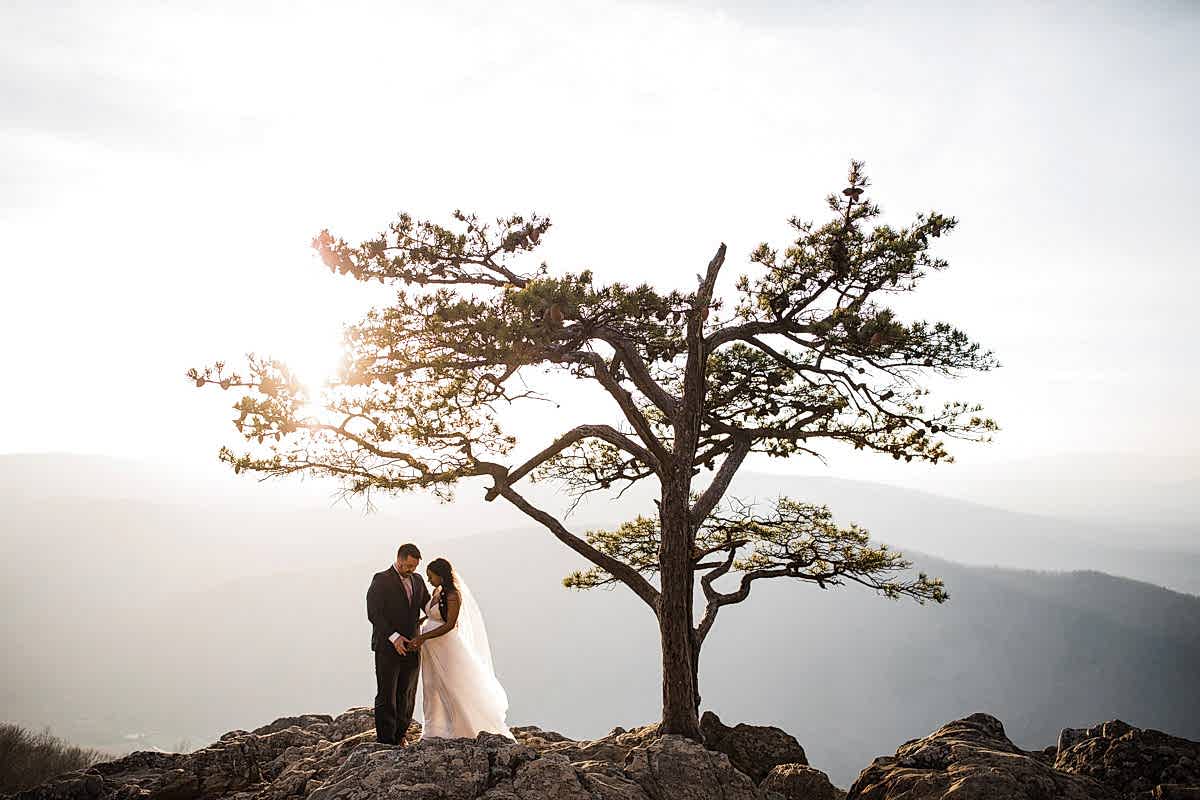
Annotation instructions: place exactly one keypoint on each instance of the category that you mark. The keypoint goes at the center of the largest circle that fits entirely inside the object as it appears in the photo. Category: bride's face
(433, 577)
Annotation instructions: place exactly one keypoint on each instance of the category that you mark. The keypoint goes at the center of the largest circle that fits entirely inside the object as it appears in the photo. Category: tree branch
(717, 599)
(687, 421)
(623, 398)
(716, 490)
(618, 569)
(605, 432)
(638, 371)
(748, 330)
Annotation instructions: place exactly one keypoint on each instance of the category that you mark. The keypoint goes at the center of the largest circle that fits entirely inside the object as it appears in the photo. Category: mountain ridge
(167, 592)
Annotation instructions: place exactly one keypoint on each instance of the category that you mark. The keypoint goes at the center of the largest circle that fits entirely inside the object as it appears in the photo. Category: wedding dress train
(460, 694)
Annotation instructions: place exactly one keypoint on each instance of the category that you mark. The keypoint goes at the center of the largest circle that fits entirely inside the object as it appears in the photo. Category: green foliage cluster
(791, 539)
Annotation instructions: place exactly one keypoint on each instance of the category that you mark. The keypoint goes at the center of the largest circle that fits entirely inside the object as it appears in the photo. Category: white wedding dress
(460, 694)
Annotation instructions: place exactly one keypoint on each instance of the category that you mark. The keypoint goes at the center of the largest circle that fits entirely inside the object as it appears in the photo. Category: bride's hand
(413, 644)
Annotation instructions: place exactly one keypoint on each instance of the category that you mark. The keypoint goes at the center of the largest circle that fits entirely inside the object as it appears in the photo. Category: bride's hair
(441, 567)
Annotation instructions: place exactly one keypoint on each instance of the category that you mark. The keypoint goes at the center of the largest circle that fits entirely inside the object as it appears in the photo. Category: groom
(394, 603)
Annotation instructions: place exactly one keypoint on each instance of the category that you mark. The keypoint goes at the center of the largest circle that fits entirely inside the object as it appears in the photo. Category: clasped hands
(404, 646)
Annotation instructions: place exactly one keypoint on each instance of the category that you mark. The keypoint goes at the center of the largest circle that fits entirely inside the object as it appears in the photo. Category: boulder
(313, 722)
(754, 749)
(550, 776)
(1134, 762)
(800, 782)
(524, 732)
(614, 748)
(449, 769)
(361, 720)
(970, 759)
(676, 768)
(608, 782)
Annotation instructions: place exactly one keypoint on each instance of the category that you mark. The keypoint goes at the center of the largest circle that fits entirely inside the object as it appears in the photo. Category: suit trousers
(396, 679)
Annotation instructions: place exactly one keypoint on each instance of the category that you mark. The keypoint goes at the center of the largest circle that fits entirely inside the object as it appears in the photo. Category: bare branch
(623, 398)
(716, 599)
(687, 421)
(605, 432)
(716, 490)
(638, 371)
(623, 572)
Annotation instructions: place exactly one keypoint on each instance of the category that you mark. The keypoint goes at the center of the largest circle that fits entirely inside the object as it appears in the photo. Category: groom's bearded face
(407, 565)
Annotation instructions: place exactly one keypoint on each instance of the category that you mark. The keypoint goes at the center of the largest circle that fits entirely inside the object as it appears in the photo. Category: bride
(460, 693)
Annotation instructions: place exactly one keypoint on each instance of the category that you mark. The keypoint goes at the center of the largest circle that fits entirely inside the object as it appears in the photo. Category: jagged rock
(457, 768)
(676, 768)
(360, 720)
(290, 756)
(754, 749)
(614, 747)
(523, 732)
(800, 782)
(216, 771)
(651, 767)
(1132, 761)
(970, 759)
(1046, 755)
(550, 776)
(1068, 737)
(608, 782)
(318, 757)
(314, 722)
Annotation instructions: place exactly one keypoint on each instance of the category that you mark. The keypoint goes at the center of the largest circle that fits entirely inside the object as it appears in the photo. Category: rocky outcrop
(675, 768)
(318, 757)
(753, 749)
(437, 768)
(1134, 762)
(798, 782)
(272, 760)
(613, 748)
(970, 759)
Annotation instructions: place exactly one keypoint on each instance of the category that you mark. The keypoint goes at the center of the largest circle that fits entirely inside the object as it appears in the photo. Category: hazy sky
(163, 167)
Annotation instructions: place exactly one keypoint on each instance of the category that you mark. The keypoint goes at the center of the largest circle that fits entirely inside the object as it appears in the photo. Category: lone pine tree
(798, 355)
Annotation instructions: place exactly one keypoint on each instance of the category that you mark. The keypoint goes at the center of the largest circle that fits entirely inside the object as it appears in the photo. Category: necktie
(407, 587)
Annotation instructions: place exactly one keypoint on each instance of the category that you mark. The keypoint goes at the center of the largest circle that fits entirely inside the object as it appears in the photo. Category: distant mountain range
(1149, 492)
(125, 499)
(180, 617)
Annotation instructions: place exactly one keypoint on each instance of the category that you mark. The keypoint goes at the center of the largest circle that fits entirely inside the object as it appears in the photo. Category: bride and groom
(439, 639)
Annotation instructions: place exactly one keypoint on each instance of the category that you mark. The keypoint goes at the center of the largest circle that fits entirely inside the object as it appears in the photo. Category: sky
(164, 166)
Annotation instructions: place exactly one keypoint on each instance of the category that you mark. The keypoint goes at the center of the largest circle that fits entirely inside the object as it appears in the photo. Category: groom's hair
(407, 550)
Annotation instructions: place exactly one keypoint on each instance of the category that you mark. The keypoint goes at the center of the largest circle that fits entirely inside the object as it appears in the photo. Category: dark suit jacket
(388, 607)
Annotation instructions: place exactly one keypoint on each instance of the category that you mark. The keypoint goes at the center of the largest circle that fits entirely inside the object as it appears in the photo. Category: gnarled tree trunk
(679, 655)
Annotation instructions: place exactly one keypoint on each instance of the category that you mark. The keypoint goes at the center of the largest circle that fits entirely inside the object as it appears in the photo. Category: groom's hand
(401, 645)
